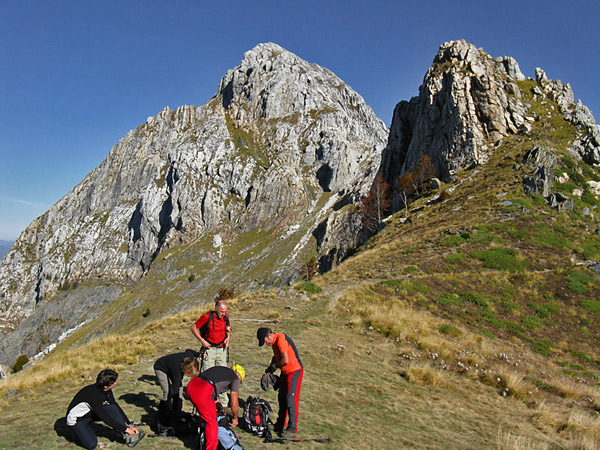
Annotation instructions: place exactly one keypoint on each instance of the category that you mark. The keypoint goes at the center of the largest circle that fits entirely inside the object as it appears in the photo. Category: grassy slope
(429, 337)
(353, 392)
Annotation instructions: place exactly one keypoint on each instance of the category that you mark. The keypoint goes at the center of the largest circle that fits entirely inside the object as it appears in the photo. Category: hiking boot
(288, 434)
(133, 439)
(164, 430)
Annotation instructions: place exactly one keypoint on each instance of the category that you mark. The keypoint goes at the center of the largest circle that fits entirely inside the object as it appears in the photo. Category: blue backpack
(228, 439)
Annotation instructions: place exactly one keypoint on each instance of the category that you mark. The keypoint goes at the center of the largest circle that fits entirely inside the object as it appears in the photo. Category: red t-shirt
(215, 334)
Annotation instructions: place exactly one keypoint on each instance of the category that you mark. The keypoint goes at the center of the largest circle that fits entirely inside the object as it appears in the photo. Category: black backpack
(255, 418)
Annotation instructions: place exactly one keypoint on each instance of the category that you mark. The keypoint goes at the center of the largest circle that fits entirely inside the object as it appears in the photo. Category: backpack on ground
(255, 418)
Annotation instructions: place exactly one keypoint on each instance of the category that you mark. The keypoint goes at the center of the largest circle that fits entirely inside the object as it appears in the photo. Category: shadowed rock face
(276, 148)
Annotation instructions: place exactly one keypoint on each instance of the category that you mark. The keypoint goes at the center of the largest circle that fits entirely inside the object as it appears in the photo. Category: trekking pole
(284, 440)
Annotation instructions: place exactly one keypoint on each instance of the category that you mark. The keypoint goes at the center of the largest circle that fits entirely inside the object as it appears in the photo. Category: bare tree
(376, 204)
(310, 269)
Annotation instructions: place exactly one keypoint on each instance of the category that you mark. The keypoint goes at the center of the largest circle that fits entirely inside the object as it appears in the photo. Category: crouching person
(203, 390)
(97, 402)
(170, 376)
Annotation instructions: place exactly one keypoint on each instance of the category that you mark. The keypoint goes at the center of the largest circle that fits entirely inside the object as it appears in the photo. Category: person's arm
(227, 334)
(98, 409)
(196, 332)
(285, 359)
(235, 408)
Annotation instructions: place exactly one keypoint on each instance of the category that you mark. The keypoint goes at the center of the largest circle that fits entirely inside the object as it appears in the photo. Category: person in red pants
(286, 358)
(203, 390)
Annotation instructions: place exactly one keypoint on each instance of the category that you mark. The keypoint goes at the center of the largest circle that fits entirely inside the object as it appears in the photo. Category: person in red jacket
(286, 358)
(203, 390)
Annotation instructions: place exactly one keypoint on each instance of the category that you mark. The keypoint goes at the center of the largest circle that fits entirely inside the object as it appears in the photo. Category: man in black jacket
(97, 402)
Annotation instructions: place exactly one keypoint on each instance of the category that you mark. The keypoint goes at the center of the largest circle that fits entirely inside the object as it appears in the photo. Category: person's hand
(234, 422)
(131, 430)
(271, 369)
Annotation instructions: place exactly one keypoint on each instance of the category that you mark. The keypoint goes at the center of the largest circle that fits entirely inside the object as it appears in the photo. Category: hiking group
(213, 389)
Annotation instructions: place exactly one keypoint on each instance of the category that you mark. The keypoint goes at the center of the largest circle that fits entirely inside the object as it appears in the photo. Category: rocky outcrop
(468, 101)
(587, 146)
(283, 145)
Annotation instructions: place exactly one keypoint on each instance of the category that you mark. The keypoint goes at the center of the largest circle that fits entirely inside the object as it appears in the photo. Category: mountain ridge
(313, 156)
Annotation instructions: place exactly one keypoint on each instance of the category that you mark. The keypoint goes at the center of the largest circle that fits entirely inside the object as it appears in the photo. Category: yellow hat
(239, 369)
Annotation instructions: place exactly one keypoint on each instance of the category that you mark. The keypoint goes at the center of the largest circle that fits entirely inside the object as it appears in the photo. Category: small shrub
(417, 286)
(309, 269)
(582, 356)
(20, 362)
(590, 250)
(455, 257)
(553, 240)
(396, 284)
(578, 281)
(311, 287)
(450, 330)
(411, 269)
(509, 304)
(454, 240)
(147, 312)
(539, 310)
(520, 233)
(491, 318)
(501, 258)
(225, 294)
(532, 322)
(447, 299)
(542, 347)
(476, 299)
(191, 278)
(514, 328)
(591, 305)
(590, 198)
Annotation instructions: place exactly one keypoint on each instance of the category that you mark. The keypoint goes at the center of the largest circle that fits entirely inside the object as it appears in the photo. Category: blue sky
(76, 75)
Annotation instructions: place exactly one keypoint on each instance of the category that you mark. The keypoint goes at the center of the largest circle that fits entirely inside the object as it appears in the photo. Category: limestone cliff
(281, 147)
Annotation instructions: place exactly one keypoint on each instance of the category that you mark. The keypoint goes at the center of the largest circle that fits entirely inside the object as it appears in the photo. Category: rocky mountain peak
(467, 103)
(282, 148)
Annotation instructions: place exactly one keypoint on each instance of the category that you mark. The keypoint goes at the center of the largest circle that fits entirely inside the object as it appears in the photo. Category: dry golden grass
(82, 362)
(422, 373)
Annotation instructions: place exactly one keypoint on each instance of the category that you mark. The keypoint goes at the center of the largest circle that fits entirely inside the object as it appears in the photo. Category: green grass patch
(532, 322)
(480, 300)
(447, 299)
(309, 286)
(579, 282)
(542, 347)
(501, 258)
(452, 241)
(458, 256)
(553, 239)
(591, 305)
(450, 330)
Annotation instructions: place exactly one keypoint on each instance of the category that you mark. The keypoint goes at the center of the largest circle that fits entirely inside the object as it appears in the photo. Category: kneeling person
(204, 389)
(97, 402)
